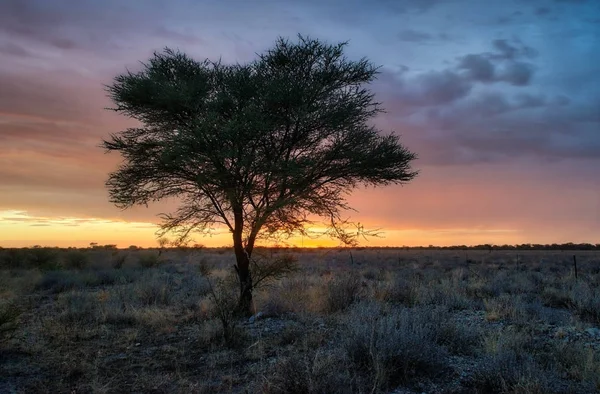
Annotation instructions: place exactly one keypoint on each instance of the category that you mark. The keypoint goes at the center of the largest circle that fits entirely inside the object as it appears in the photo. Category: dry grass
(381, 320)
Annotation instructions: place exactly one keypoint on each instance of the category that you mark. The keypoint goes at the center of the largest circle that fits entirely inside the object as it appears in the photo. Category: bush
(509, 372)
(46, 259)
(315, 372)
(9, 319)
(154, 290)
(14, 258)
(79, 308)
(149, 259)
(76, 259)
(342, 292)
(58, 281)
(224, 295)
(118, 259)
(390, 345)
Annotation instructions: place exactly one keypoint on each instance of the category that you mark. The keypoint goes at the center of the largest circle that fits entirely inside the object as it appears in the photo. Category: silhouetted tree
(259, 148)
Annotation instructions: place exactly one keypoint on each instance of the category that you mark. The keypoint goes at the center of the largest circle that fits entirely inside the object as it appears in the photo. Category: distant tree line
(562, 247)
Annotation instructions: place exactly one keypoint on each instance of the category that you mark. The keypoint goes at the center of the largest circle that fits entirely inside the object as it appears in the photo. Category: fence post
(575, 265)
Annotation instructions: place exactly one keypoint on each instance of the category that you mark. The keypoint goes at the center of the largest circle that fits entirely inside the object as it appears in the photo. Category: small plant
(9, 319)
(223, 294)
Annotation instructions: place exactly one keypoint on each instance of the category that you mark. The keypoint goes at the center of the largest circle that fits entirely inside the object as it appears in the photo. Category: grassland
(360, 320)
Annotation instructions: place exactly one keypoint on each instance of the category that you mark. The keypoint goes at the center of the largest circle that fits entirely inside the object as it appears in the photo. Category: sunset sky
(500, 100)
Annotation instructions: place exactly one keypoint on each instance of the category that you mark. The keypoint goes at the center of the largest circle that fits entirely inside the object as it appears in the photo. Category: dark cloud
(495, 127)
(512, 50)
(542, 11)
(500, 66)
(517, 73)
(506, 19)
(426, 89)
(479, 67)
(410, 35)
(405, 6)
(526, 100)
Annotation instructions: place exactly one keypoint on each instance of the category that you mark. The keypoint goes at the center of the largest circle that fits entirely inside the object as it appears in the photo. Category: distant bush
(14, 258)
(149, 259)
(118, 259)
(58, 281)
(46, 259)
(76, 259)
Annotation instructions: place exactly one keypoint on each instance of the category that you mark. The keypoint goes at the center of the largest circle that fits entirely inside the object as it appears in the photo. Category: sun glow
(21, 229)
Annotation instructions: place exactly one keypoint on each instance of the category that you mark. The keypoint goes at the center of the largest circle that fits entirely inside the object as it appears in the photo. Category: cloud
(479, 67)
(495, 127)
(540, 11)
(504, 65)
(410, 35)
(517, 73)
(512, 50)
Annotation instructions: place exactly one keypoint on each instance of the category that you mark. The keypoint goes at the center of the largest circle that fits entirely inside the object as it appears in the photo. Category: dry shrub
(9, 319)
(290, 295)
(390, 345)
(75, 259)
(509, 372)
(148, 259)
(342, 292)
(318, 371)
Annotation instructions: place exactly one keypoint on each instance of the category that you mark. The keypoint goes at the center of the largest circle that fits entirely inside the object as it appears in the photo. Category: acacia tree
(260, 148)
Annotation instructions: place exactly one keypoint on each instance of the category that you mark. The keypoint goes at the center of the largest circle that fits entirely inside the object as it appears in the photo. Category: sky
(500, 100)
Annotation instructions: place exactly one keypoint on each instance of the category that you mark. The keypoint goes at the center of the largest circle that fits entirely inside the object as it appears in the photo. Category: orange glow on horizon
(19, 229)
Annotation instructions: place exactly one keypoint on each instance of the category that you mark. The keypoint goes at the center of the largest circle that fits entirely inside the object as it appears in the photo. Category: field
(349, 320)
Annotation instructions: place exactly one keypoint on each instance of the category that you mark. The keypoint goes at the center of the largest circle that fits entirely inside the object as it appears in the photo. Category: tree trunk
(245, 305)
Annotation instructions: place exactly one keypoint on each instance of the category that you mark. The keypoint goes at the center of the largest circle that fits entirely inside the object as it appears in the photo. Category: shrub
(458, 338)
(58, 281)
(118, 259)
(223, 293)
(509, 372)
(9, 319)
(45, 259)
(342, 292)
(149, 259)
(400, 291)
(312, 372)
(79, 308)
(154, 290)
(14, 258)
(75, 259)
(391, 345)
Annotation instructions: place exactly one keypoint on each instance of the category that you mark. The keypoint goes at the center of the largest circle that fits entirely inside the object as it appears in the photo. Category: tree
(260, 148)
